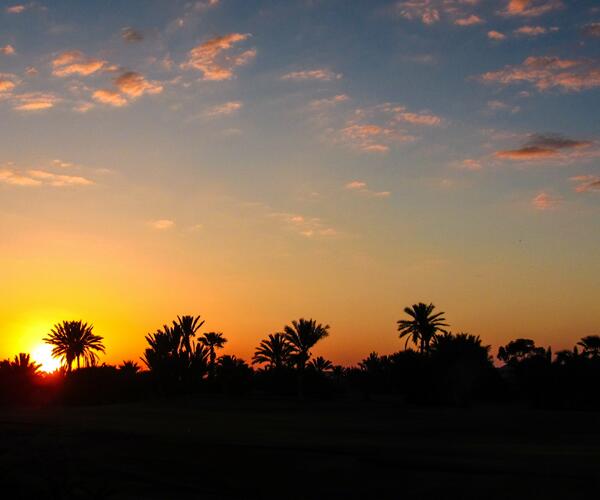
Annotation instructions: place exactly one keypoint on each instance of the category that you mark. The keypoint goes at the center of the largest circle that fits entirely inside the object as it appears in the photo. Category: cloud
(496, 105)
(328, 102)
(469, 21)
(544, 201)
(470, 164)
(34, 101)
(531, 8)
(591, 29)
(135, 85)
(74, 62)
(424, 10)
(224, 109)
(533, 30)
(308, 227)
(371, 138)
(313, 74)
(586, 183)
(7, 83)
(545, 73)
(496, 35)
(40, 178)
(16, 9)
(542, 146)
(362, 188)
(162, 224)
(7, 50)
(83, 107)
(131, 35)
(212, 57)
(111, 97)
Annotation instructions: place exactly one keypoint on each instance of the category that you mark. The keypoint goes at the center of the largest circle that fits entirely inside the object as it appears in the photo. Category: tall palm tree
(213, 341)
(320, 365)
(590, 345)
(189, 326)
(423, 325)
(275, 351)
(302, 335)
(73, 341)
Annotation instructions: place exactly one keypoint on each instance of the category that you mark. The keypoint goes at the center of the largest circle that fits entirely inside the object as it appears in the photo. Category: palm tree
(213, 341)
(423, 325)
(24, 365)
(74, 340)
(302, 335)
(275, 351)
(590, 345)
(189, 325)
(320, 365)
(129, 368)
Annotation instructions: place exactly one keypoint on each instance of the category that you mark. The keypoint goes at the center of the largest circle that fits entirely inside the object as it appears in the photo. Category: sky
(254, 162)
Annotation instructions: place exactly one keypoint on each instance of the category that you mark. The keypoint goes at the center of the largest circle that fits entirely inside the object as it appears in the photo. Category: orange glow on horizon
(42, 354)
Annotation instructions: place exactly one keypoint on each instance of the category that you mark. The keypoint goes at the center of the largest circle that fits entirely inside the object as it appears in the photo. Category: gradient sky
(258, 161)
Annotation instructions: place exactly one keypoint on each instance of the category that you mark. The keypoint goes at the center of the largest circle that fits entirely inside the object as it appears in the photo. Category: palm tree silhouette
(590, 345)
(423, 327)
(188, 325)
(213, 341)
(321, 365)
(302, 335)
(24, 365)
(275, 351)
(74, 340)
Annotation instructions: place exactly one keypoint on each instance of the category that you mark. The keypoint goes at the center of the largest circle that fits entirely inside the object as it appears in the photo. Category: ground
(224, 448)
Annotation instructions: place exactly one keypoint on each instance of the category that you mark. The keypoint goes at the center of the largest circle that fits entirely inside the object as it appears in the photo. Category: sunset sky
(258, 161)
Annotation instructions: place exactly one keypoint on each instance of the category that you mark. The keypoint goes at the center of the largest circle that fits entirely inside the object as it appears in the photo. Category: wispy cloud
(470, 164)
(7, 50)
(328, 102)
(111, 97)
(545, 73)
(162, 224)
(545, 201)
(531, 8)
(321, 74)
(16, 9)
(586, 183)
(543, 146)
(214, 59)
(224, 109)
(74, 62)
(496, 35)
(7, 83)
(496, 105)
(469, 21)
(32, 178)
(361, 187)
(432, 11)
(34, 101)
(533, 31)
(591, 29)
(128, 87)
(308, 227)
(131, 35)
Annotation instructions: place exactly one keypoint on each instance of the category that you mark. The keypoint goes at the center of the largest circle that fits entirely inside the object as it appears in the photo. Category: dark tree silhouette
(518, 350)
(213, 341)
(24, 366)
(274, 351)
(73, 341)
(129, 367)
(320, 365)
(423, 326)
(590, 345)
(302, 335)
(189, 326)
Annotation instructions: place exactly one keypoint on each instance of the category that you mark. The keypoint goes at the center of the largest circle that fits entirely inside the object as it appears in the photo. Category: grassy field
(260, 449)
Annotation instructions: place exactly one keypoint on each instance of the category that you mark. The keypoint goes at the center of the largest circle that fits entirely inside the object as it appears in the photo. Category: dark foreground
(254, 449)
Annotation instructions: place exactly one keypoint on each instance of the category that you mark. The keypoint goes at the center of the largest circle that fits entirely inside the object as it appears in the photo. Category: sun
(42, 354)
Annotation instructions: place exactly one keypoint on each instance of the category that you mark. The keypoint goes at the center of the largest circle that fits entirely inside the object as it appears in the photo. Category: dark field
(255, 449)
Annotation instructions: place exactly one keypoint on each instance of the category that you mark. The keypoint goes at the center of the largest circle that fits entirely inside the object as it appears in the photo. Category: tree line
(435, 367)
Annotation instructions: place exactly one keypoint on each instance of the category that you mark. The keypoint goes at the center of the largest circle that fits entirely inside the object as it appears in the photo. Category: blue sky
(361, 156)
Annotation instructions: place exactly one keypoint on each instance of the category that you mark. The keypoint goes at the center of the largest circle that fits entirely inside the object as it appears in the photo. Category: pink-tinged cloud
(7, 83)
(543, 146)
(362, 188)
(545, 73)
(470, 164)
(162, 224)
(110, 97)
(83, 107)
(131, 35)
(16, 9)
(214, 60)
(424, 10)
(328, 102)
(74, 62)
(586, 183)
(7, 50)
(496, 35)
(35, 101)
(469, 21)
(224, 109)
(532, 31)
(532, 8)
(308, 227)
(420, 119)
(15, 179)
(135, 85)
(354, 185)
(325, 75)
(544, 201)
(591, 29)
(59, 180)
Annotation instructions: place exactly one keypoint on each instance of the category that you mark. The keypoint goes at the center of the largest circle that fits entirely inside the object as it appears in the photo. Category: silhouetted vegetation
(445, 369)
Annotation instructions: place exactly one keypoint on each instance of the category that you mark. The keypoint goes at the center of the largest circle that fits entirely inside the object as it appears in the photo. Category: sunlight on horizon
(42, 354)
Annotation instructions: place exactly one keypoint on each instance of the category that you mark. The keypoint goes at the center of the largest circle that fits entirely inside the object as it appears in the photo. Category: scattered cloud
(7, 50)
(214, 60)
(325, 75)
(111, 97)
(16, 9)
(424, 10)
(308, 227)
(15, 179)
(496, 105)
(224, 109)
(470, 164)
(496, 35)
(135, 85)
(162, 224)
(591, 29)
(34, 101)
(545, 73)
(131, 35)
(533, 31)
(40, 178)
(469, 21)
(545, 201)
(586, 183)
(361, 187)
(543, 146)
(328, 102)
(7, 83)
(531, 8)
(74, 62)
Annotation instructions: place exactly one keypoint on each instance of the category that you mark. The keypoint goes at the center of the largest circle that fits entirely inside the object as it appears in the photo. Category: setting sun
(42, 354)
